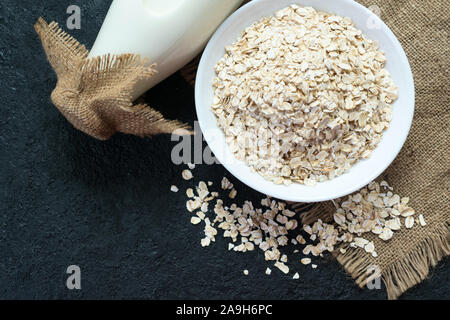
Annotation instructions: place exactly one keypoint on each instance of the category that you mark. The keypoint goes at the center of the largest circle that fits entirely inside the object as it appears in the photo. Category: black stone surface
(66, 198)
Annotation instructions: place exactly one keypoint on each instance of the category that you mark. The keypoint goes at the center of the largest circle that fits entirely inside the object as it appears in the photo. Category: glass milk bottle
(169, 32)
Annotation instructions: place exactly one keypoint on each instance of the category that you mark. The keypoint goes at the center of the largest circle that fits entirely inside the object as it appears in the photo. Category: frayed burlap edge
(95, 94)
(405, 273)
(398, 277)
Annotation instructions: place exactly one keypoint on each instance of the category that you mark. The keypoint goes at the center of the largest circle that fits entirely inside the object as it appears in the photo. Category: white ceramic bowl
(362, 172)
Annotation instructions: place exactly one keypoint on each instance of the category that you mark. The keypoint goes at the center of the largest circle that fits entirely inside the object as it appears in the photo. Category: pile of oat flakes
(302, 96)
(271, 225)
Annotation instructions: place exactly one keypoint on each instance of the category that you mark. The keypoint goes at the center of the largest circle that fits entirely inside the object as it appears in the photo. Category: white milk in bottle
(169, 32)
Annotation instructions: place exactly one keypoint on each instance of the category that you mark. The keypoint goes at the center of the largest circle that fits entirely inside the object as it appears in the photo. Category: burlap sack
(421, 171)
(95, 94)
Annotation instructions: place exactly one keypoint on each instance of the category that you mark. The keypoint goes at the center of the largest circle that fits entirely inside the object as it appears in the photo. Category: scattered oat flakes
(226, 184)
(173, 188)
(306, 261)
(409, 222)
(280, 265)
(374, 209)
(191, 205)
(190, 193)
(205, 242)
(360, 242)
(369, 247)
(300, 239)
(386, 234)
(202, 186)
(249, 228)
(201, 215)
(191, 166)
(187, 174)
(408, 212)
(204, 207)
(422, 220)
(233, 193)
(393, 224)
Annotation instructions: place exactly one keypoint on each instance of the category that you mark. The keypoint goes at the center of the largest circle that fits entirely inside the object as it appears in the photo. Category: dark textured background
(66, 198)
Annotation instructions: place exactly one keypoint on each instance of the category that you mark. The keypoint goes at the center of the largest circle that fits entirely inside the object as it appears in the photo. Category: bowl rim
(287, 197)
